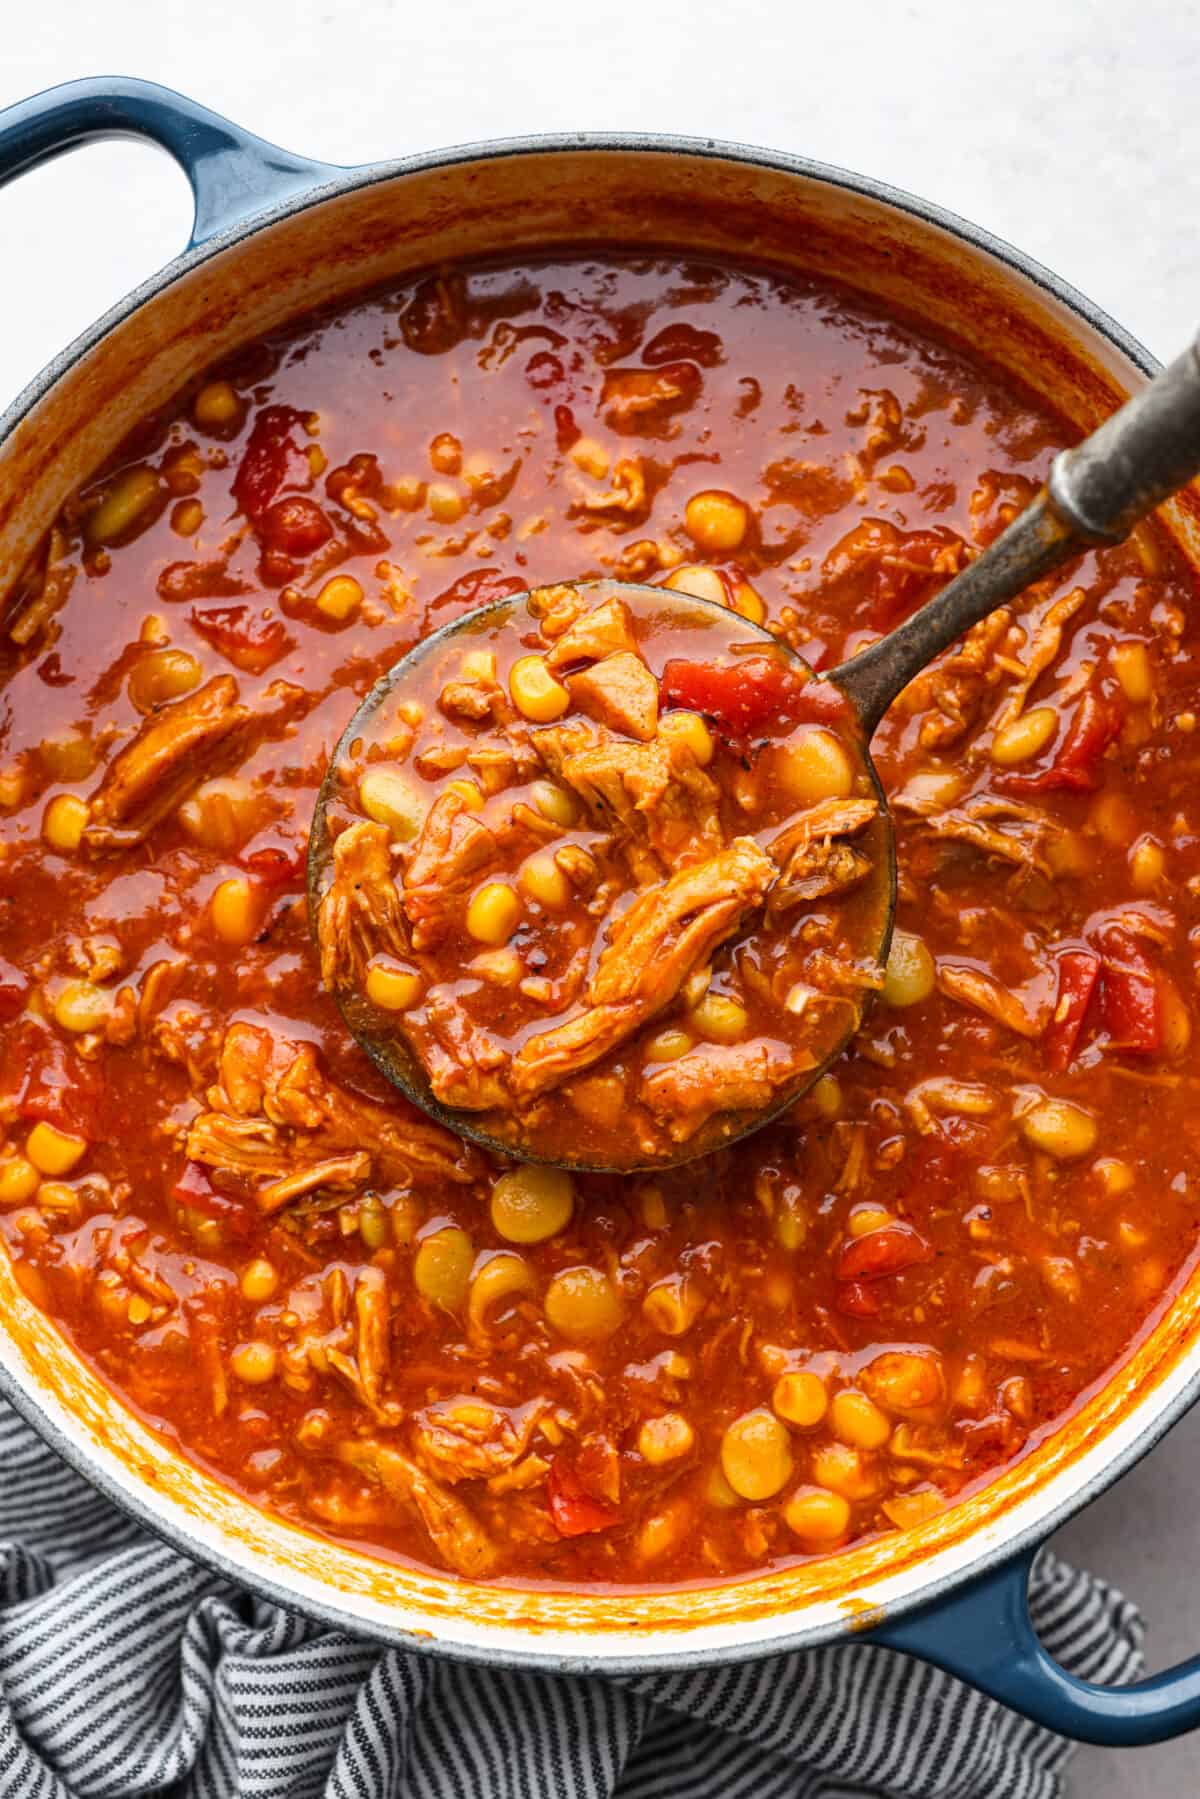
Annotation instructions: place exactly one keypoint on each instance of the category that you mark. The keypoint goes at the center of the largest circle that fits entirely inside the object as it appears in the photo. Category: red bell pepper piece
(1097, 723)
(481, 587)
(1130, 1002)
(46, 1080)
(274, 864)
(272, 458)
(13, 988)
(858, 1299)
(882, 1252)
(744, 698)
(1078, 972)
(574, 1512)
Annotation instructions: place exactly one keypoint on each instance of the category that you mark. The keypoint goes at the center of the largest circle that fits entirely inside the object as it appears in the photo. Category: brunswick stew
(827, 1330)
(647, 888)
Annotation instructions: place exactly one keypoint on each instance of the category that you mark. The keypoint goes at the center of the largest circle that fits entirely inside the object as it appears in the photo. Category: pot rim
(515, 1645)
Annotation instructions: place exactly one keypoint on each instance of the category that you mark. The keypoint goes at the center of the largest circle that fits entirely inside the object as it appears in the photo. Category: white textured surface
(1072, 129)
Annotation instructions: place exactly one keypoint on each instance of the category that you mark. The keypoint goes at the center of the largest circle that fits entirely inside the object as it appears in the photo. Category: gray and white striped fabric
(126, 1670)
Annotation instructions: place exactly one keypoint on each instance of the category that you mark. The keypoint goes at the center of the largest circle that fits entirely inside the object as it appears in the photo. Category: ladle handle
(1095, 494)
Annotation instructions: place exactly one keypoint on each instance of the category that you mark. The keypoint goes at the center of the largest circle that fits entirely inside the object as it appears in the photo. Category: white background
(1070, 127)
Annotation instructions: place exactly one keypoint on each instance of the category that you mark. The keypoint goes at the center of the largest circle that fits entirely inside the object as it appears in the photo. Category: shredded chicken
(453, 848)
(276, 1116)
(1047, 641)
(619, 693)
(626, 497)
(971, 987)
(607, 630)
(664, 936)
(714, 1078)
(360, 914)
(956, 686)
(1021, 842)
(655, 798)
(465, 1438)
(179, 746)
(813, 858)
(452, 1526)
(941, 1093)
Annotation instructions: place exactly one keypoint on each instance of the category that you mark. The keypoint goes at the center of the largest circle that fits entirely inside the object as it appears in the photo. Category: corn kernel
(52, 1151)
(493, 913)
(701, 582)
(340, 598)
(591, 457)
(715, 521)
(19, 1181)
(1147, 865)
(690, 731)
(1026, 737)
(669, 1045)
(1133, 668)
(260, 1281)
(138, 1310)
(543, 881)
(187, 518)
(665, 1439)
(81, 1006)
(826, 1097)
(858, 1421)
(392, 989)
(445, 503)
(865, 1219)
(64, 821)
(234, 910)
(719, 1018)
(216, 405)
(800, 1397)
(1112, 817)
(819, 1518)
(1115, 1176)
(502, 967)
(390, 800)
(535, 692)
(478, 665)
(445, 454)
(653, 1207)
(254, 1362)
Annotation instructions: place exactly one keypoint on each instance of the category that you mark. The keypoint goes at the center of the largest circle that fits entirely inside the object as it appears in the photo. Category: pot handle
(232, 173)
(984, 1635)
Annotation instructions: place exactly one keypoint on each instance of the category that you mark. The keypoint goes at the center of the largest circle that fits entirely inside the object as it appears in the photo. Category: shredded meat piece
(497, 766)
(452, 849)
(360, 914)
(813, 859)
(472, 700)
(659, 804)
(957, 684)
(941, 1093)
(179, 746)
(606, 630)
(619, 693)
(470, 1439)
(1021, 843)
(556, 608)
(456, 1532)
(718, 1078)
(971, 987)
(275, 1115)
(654, 946)
(1047, 641)
(626, 497)
(463, 1064)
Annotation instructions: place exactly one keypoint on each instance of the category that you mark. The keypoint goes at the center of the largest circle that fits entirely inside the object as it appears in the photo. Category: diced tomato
(243, 636)
(480, 587)
(48, 1081)
(544, 370)
(13, 988)
(271, 458)
(1096, 723)
(858, 1299)
(902, 569)
(745, 698)
(275, 865)
(574, 1512)
(1078, 971)
(295, 526)
(886, 1251)
(184, 581)
(1130, 1002)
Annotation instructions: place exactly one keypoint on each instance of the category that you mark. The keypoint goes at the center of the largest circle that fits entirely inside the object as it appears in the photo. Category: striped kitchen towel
(127, 1670)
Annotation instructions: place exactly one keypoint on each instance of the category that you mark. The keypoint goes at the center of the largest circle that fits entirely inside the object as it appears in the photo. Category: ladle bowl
(1095, 494)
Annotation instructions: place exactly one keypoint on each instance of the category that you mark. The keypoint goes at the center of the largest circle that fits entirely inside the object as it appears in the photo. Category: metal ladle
(1095, 494)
